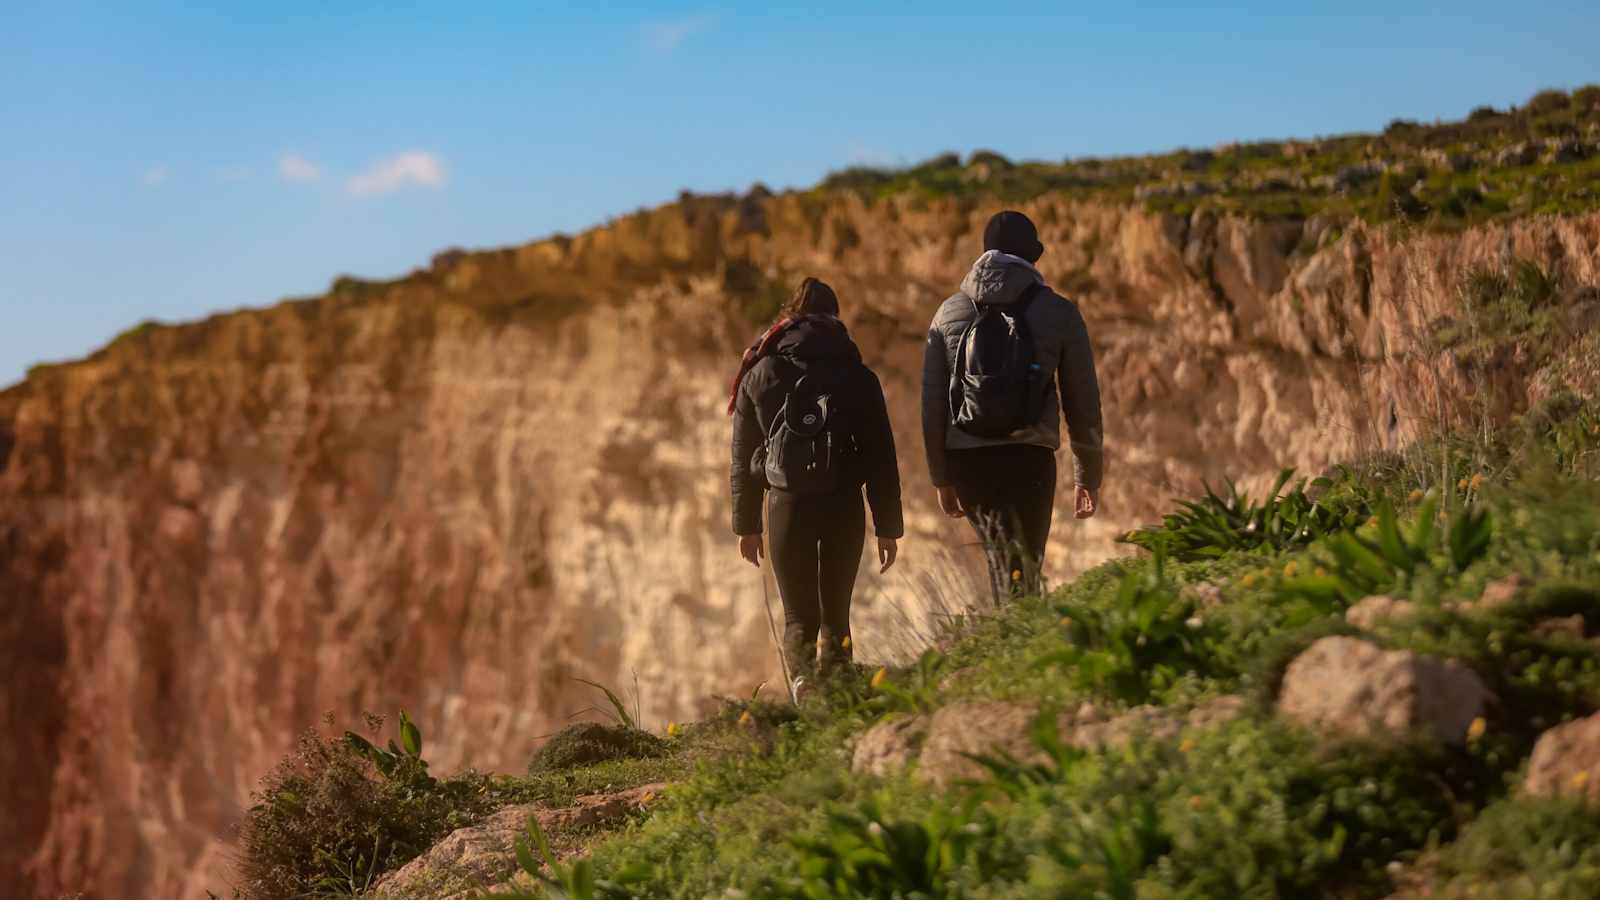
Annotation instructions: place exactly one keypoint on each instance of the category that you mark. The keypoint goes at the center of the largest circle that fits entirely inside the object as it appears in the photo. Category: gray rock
(1369, 611)
(888, 747)
(1347, 688)
(1503, 592)
(1563, 150)
(1520, 154)
(484, 854)
(1447, 160)
(1566, 761)
(1561, 626)
(1007, 728)
(960, 729)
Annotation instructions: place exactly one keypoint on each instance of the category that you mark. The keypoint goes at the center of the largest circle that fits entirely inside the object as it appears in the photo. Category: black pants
(1009, 493)
(816, 551)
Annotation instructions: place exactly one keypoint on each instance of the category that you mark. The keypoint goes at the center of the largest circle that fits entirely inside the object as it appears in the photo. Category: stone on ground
(1503, 592)
(1369, 611)
(890, 746)
(997, 728)
(484, 854)
(1566, 761)
(1349, 688)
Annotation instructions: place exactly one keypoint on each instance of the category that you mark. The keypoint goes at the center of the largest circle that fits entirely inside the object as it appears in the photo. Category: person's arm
(882, 464)
(936, 405)
(748, 488)
(1080, 402)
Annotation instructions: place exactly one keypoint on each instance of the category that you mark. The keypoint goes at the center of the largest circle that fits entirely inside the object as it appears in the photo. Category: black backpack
(997, 386)
(808, 443)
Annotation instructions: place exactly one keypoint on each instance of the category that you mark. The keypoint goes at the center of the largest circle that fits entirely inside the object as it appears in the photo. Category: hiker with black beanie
(1006, 358)
(810, 428)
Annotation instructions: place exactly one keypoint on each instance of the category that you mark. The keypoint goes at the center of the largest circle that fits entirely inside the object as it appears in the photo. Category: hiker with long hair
(1007, 359)
(810, 429)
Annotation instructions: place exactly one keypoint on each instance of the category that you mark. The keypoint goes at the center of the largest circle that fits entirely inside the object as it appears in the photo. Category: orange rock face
(458, 491)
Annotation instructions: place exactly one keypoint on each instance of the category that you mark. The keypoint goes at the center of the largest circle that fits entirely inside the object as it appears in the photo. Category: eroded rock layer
(458, 491)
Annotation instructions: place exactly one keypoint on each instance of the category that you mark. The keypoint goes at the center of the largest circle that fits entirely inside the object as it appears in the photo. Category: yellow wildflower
(1462, 484)
(674, 729)
(1580, 779)
(1416, 495)
(1067, 621)
(1321, 572)
(1477, 481)
(846, 642)
(1372, 520)
(744, 718)
(879, 677)
(1290, 569)
(1248, 579)
(1476, 729)
(1186, 746)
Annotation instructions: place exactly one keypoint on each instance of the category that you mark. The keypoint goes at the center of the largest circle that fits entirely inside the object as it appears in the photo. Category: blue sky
(163, 161)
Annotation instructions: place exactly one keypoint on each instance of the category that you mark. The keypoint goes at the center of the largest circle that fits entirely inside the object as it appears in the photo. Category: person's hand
(1085, 502)
(888, 549)
(949, 502)
(751, 548)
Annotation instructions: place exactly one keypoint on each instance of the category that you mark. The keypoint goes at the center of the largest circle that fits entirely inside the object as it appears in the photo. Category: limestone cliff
(458, 491)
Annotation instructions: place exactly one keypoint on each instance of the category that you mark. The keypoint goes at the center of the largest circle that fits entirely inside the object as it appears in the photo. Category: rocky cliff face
(459, 491)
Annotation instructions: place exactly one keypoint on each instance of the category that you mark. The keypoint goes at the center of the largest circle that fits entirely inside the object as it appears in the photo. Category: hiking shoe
(801, 689)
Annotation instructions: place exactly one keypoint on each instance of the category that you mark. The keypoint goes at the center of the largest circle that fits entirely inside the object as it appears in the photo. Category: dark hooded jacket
(822, 351)
(1061, 345)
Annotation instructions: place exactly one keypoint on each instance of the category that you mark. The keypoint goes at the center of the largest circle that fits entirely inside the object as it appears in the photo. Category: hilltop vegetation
(1167, 725)
(1541, 157)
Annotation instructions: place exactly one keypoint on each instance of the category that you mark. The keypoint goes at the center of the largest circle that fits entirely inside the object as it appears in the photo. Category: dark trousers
(816, 550)
(1009, 493)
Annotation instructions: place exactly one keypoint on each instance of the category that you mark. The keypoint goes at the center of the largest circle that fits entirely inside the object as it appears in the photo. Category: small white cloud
(414, 168)
(155, 175)
(294, 167)
(666, 36)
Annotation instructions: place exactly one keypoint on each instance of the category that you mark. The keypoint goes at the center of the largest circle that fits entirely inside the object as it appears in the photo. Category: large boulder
(985, 728)
(1566, 761)
(1349, 688)
(484, 854)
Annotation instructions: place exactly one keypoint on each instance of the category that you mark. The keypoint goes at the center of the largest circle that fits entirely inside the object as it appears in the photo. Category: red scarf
(764, 345)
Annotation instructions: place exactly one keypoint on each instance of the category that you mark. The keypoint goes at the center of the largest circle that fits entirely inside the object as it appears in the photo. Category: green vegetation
(764, 801)
(1543, 157)
(339, 812)
(585, 743)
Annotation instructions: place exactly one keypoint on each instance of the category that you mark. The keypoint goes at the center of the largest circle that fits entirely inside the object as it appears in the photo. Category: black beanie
(1012, 232)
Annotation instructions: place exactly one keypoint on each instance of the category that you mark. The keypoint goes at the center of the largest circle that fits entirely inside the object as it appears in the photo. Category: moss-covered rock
(585, 743)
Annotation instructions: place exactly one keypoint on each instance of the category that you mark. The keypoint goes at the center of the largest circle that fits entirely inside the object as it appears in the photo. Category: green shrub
(869, 852)
(1258, 810)
(1356, 565)
(329, 820)
(1525, 847)
(1547, 102)
(1138, 644)
(586, 743)
(1214, 526)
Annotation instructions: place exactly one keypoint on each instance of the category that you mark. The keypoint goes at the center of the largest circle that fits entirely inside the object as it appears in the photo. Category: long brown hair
(812, 297)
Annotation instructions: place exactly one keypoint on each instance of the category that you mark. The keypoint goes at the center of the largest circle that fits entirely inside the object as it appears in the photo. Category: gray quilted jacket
(1061, 345)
